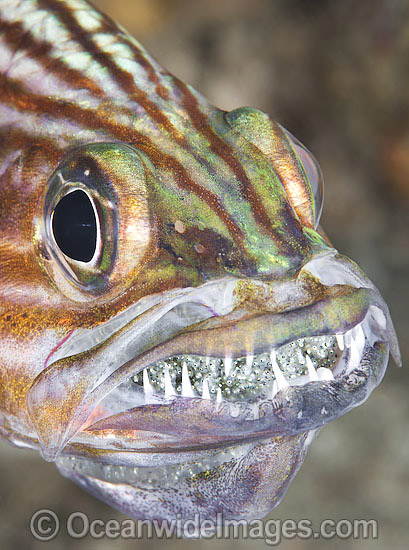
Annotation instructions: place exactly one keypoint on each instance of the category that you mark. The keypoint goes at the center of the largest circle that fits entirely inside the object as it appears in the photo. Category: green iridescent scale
(244, 377)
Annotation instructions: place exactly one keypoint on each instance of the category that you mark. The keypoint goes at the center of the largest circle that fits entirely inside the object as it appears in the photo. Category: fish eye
(94, 227)
(80, 225)
(313, 172)
(74, 226)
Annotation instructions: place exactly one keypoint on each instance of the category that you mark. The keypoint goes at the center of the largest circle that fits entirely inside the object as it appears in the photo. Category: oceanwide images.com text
(45, 525)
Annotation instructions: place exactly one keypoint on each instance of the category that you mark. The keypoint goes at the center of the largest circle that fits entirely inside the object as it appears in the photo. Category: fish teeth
(348, 339)
(187, 390)
(354, 355)
(205, 377)
(219, 395)
(205, 390)
(312, 373)
(359, 337)
(228, 362)
(281, 381)
(379, 317)
(169, 389)
(340, 341)
(147, 386)
(325, 374)
(249, 363)
(274, 390)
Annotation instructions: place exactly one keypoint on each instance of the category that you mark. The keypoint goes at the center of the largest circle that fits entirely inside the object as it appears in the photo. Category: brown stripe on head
(20, 39)
(121, 77)
(227, 154)
(14, 93)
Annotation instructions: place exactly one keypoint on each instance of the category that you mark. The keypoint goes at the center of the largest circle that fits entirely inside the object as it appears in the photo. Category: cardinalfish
(175, 326)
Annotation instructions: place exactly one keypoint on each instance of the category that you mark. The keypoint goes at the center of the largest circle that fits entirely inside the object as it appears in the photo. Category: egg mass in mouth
(241, 378)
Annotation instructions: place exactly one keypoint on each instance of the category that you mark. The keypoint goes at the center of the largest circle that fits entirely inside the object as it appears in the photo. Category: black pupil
(75, 227)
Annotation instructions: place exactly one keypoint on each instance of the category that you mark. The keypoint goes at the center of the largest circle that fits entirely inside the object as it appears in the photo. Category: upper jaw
(75, 403)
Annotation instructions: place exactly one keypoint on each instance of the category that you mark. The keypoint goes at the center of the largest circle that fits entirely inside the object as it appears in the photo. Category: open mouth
(190, 372)
(295, 387)
(250, 377)
(199, 393)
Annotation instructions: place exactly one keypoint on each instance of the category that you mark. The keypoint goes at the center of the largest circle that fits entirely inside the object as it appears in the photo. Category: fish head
(176, 326)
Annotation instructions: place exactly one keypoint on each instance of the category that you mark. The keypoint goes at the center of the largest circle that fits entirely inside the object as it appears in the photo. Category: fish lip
(102, 387)
(80, 341)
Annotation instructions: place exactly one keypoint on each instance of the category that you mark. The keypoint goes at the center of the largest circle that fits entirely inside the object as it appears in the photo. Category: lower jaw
(293, 411)
(243, 481)
(164, 474)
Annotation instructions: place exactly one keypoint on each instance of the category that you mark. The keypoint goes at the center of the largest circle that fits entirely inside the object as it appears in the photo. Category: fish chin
(215, 415)
(230, 483)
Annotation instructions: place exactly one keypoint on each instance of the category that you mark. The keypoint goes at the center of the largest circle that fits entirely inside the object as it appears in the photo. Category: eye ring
(77, 186)
(115, 179)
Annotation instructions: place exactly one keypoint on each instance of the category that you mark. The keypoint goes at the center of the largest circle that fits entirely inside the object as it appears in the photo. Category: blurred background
(336, 74)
